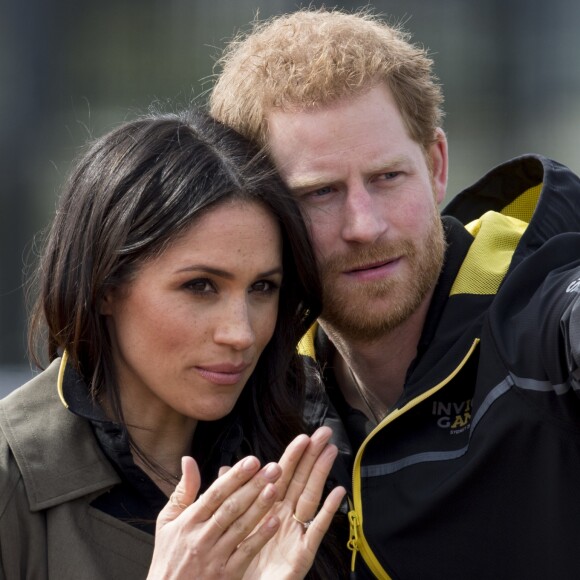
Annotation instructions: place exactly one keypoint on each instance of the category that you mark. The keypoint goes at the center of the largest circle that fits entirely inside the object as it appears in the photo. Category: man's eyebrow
(311, 183)
(304, 184)
(393, 162)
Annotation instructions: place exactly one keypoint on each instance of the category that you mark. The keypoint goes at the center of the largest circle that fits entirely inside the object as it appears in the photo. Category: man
(449, 347)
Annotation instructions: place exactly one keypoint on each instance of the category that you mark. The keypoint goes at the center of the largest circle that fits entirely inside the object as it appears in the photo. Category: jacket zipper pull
(353, 539)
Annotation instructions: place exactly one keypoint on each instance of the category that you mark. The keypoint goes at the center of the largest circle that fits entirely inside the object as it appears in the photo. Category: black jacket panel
(475, 473)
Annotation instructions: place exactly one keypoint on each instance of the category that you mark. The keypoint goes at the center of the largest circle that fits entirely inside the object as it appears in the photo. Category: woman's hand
(305, 464)
(218, 535)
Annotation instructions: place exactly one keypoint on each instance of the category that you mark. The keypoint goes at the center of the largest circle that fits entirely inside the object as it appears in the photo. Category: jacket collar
(56, 451)
(538, 191)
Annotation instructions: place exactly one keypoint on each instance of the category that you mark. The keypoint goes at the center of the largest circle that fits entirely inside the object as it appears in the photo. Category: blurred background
(72, 69)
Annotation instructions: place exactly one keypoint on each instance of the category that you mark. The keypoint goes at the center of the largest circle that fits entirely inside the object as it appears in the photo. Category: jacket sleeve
(536, 318)
(570, 326)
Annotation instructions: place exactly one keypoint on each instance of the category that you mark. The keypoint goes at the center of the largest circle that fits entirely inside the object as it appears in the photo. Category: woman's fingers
(223, 470)
(225, 528)
(235, 490)
(184, 494)
(233, 506)
(188, 486)
(289, 461)
(296, 473)
(321, 522)
(237, 527)
(249, 548)
(233, 521)
(309, 500)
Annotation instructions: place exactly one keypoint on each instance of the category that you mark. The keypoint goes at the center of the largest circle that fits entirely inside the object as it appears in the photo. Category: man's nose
(363, 221)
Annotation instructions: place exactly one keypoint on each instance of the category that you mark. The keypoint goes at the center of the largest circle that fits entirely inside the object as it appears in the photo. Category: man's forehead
(315, 173)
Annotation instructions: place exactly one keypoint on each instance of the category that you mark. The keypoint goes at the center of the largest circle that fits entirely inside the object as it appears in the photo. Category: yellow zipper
(357, 542)
(353, 536)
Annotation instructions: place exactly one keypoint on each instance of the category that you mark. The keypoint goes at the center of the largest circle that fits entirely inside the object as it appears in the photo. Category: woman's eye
(264, 287)
(200, 286)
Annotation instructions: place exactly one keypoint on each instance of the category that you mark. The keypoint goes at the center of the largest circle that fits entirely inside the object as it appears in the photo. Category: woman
(175, 283)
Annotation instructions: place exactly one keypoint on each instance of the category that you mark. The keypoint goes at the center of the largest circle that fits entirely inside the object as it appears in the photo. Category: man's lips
(374, 270)
(372, 266)
(222, 373)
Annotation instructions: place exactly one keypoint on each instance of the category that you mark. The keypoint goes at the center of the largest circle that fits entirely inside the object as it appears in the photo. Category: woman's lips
(222, 374)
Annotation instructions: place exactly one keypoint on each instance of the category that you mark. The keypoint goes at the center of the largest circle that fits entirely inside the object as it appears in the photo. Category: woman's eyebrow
(223, 273)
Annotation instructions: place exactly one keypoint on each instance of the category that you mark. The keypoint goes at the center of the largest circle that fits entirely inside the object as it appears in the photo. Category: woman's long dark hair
(133, 192)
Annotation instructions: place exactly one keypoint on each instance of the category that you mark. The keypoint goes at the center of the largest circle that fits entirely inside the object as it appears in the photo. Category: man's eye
(322, 191)
(315, 194)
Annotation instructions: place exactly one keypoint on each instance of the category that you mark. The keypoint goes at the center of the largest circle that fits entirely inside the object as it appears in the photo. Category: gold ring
(305, 525)
(173, 499)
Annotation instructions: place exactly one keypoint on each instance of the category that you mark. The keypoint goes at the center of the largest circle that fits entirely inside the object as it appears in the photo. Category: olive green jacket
(51, 468)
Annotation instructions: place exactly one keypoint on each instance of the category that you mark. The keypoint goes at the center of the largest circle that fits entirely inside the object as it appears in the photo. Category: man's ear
(439, 162)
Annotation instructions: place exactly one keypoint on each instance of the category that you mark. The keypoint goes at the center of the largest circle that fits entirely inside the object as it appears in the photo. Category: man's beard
(368, 310)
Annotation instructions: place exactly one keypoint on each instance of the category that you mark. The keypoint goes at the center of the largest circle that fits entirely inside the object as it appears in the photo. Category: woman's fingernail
(250, 463)
(331, 451)
(271, 470)
(320, 434)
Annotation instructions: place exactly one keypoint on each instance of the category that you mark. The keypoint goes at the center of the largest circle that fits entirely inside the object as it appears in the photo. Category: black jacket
(476, 473)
